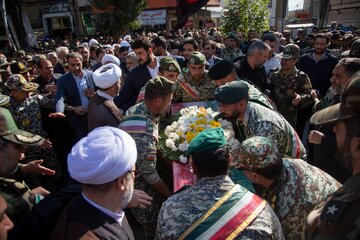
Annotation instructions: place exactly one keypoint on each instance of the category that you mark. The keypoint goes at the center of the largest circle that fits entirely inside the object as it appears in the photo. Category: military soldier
(26, 111)
(338, 216)
(254, 119)
(206, 209)
(12, 144)
(168, 68)
(141, 122)
(293, 187)
(224, 72)
(194, 83)
(291, 87)
(231, 51)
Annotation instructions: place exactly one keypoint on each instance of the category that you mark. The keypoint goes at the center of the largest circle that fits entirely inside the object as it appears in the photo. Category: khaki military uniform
(143, 127)
(231, 53)
(184, 208)
(338, 217)
(261, 121)
(284, 90)
(297, 190)
(19, 197)
(204, 89)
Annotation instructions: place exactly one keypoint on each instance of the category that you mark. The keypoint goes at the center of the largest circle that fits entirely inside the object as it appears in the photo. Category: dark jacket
(80, 220)
(256, 76)
(320, 72)
(67, 92)
(136, 79)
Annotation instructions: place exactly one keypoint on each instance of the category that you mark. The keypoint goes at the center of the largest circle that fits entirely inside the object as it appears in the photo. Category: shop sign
(57, 6)
(153, 17)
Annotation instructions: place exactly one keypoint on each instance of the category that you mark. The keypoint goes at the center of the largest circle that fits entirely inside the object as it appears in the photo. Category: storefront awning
(153, 17)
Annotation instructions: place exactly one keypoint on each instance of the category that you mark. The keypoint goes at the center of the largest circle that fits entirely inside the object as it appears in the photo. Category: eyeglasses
(136, 172)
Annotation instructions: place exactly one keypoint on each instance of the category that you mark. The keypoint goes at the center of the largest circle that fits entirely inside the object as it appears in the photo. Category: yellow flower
(189, 136)
(200, 121)
(199, 129)
(214, 123)
(192, 125)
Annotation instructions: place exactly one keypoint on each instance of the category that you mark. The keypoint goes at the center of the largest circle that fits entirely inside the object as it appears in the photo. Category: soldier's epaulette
(136, 123)
(337, 206)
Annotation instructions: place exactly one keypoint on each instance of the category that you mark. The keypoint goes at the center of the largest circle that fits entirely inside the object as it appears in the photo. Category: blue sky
(293, 4)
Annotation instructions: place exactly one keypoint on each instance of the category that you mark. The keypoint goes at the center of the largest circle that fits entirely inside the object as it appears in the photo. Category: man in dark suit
(159, 47)
(139, 76)
(209, 49)
(73, 91)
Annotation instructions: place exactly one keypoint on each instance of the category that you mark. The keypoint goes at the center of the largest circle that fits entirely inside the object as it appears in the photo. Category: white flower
(183, 146)
(170, 144)
(183, 159)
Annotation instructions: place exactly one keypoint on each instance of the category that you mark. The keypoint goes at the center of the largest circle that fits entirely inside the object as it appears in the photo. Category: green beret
(160, 85)
(258, 153)
(221, 69)
(169, 64)
(197, 58)
(211, 138)
(232, 92)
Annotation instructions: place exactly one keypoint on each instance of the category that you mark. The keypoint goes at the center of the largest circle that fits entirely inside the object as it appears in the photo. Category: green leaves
(117, 16)
(245, 15)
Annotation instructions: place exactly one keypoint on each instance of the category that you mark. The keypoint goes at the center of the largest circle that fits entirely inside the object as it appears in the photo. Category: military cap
(258, 153)
(10, 132)
(18, 82)
(18, 68)
(197, 58)
(232, 36)
(290, 51)
(211, 138)
(221, 69)
(20, 52)
(160, 85)
(169, 64)
(287, 33)
(355, 49)
(29, 58)
(4, 99)
(348, 108)
(3, 62)
(231, 92)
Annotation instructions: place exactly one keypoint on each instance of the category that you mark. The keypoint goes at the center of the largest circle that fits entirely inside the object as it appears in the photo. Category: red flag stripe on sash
(241, 219)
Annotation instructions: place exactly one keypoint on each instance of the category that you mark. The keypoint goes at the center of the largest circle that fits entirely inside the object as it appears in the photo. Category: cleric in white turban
(104, 162)
(102, 110)
(109, 58)
(107, 75)
(105, 154)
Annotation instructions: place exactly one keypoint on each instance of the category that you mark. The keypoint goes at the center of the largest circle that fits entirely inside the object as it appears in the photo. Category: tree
(117, 16)
(246, 15)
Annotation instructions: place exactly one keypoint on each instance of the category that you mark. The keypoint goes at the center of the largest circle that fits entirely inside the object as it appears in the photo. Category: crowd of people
(80, 123)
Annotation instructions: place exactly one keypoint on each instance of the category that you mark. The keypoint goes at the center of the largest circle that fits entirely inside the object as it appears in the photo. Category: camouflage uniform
(284, 90)
(231, 53)
(338, 216)
(255, 95)
(298, 189)
(19, 197)
(205, 87)
(261, 121)
(146, 162)
(27, 116)
(184, 208)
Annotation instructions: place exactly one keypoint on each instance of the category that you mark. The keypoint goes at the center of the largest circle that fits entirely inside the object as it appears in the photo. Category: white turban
(125, 44)
(92, 42)
(110, 58)
(107, 75)
(127, 36)
(105, 154)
